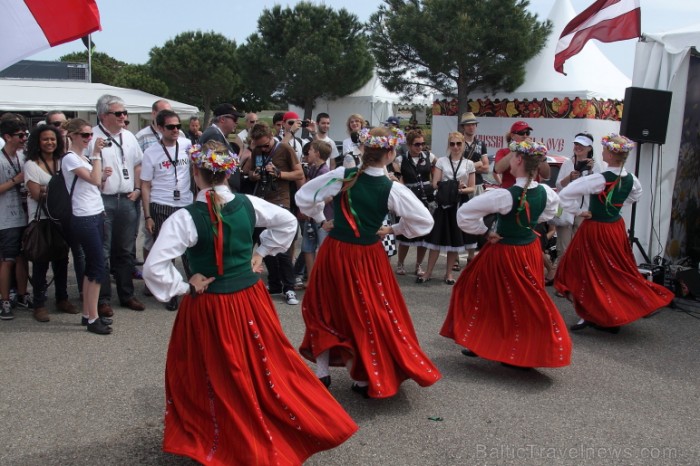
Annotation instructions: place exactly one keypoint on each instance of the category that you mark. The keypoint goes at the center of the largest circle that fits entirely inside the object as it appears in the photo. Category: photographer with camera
(291, 123)
(582, 163)
(352, 150)
(274, 167)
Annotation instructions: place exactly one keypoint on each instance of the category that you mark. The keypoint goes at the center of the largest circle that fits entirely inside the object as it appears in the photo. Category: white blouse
(593, 184)
(415, 219)
(470, 217)
(179, 233)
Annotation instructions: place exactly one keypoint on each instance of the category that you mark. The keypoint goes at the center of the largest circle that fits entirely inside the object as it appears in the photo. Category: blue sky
(130, 28)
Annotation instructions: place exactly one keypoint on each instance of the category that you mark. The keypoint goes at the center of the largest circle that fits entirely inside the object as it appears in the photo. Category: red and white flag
(605, 20)
(29, 26)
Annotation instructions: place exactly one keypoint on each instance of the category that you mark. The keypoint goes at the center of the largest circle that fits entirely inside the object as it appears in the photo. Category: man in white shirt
(121, 193)
(319, 131)
(251, 120)
(165, 177)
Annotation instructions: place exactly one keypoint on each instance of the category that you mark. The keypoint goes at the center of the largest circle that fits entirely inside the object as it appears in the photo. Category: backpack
(59, 206)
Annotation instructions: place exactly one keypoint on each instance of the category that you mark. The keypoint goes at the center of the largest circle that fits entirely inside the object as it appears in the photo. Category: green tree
(199, 68)
(302, 54)
(139, 77)
(104, 67)
(452, 45)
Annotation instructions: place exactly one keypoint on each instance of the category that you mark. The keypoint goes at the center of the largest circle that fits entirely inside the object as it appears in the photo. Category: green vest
(522, 233)
(600, 212)
(369, 196)
(238, 223)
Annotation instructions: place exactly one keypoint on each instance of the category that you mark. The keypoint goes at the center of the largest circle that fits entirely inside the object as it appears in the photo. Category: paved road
(72, 398)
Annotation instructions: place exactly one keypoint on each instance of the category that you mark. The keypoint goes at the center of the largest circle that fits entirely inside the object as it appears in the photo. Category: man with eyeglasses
(224, 123)
(121, 195)
(13, 220)
(165, 178)
(251, 119)
(519, 131)
(291, 125)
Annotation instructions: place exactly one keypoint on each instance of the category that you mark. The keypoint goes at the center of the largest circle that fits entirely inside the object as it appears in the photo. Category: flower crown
(616, 147)
(216, 161)
(529, 148)
(382, 142)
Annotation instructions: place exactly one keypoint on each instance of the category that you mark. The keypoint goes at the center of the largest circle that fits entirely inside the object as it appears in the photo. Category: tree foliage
(452, 45)
(104, 68)
(140, 77)
(302, 54)
(199, 68)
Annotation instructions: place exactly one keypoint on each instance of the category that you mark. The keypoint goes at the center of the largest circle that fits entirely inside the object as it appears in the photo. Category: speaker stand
(633, 239)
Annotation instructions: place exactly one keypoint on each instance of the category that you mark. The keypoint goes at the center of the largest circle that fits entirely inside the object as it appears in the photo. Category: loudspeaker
(689, 283)
(645, 115)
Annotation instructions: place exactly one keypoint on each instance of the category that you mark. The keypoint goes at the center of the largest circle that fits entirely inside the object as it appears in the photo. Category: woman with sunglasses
(87, 221)
(519, 131)
(416, 168)
(499, 309)
(43, 153)
(446, 237)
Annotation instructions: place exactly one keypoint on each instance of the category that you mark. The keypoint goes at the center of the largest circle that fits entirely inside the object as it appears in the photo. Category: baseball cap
(583, 140)
(290, 116)
(227, 109)
(392, 120)
(519, 126)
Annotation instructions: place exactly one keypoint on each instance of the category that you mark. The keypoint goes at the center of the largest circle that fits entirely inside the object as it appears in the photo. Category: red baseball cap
(519, 126)
(290, 116)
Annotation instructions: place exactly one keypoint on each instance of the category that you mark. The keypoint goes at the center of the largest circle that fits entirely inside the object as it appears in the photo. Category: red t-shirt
(507, 180)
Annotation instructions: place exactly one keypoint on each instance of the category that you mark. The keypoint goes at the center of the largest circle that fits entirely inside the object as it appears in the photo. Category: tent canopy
(24, 95)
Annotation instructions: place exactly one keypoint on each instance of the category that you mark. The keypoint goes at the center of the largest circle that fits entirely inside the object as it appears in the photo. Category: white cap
(584, 141)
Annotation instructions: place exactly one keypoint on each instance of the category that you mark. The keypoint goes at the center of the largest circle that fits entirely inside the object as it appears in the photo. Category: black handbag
(447, 193)
(42, 240)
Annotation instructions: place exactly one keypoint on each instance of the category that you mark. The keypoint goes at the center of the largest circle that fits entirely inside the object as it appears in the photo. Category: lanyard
(174, 163)
(18, 168)
(55, 164)
(155, 133)
(114, 141)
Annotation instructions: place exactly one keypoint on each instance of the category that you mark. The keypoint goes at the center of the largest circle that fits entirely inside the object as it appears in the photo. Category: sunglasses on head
(172, 127)
(418, 144)
(523, 133)
(119, 114)
(457, 143)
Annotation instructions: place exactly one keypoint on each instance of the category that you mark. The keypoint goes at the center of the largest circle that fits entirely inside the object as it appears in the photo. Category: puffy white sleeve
(176, 235)
(470, 217)
(570, 196)
(415, 219)
(636, 192)
(311, 197)
(550, 210)
(280, 226)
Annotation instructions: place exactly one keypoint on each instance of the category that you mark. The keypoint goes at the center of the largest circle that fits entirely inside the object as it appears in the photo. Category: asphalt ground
(68, 397)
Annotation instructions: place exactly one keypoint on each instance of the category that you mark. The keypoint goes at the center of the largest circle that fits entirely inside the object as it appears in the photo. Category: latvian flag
(605, 20)
(29, 26)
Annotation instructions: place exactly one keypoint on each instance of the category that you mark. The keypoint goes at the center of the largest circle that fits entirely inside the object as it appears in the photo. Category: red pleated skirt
(600, 272)
(237, 392)
(500, 309)
(353, 307)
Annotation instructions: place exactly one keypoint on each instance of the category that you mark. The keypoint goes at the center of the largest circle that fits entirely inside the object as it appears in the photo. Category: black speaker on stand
(644, 119)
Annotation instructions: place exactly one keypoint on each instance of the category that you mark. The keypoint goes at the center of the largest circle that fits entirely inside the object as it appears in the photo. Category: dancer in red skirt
(500, 309)
(237, 392)
(598, 271)
(354, 312)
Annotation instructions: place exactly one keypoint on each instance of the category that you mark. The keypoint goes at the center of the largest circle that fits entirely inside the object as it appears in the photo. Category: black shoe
(579, 326)
(510, 366)
(99, 328)
(613, 330)
(172, 304)
(364, 391)
(105, 320)
(469, 353)
(325, 380)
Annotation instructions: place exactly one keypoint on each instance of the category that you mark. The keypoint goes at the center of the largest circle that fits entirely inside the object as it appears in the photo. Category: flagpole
(90, 58)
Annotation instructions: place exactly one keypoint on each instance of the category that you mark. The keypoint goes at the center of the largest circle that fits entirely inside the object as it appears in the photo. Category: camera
(581, 166)
(305, 123)
(107, 143)
(355, 137)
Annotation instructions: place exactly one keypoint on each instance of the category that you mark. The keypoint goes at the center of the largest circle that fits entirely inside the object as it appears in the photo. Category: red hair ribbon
(218, 227)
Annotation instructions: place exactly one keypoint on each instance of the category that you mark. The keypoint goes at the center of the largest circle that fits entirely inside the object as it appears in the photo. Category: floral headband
(216, 161)
(396, 138)
(529, 148)
(616, 147)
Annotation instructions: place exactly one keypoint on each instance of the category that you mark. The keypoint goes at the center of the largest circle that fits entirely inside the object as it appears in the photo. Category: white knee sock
(322, 364)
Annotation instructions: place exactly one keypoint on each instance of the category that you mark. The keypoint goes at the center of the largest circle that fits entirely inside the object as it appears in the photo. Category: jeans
(89, 232)
(121, 226)
(60, 280)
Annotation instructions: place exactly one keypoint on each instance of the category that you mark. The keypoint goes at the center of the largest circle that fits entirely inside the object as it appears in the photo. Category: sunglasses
(234, 118)
(291, 122)
(118, 114)
(172, 127)
(57, 124)
(21, 135)
(418, 144)
(453, 144)
(252, 122)
(523, 133)
(85, 135)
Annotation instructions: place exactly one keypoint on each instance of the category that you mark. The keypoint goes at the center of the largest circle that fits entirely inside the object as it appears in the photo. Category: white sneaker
(291, 297)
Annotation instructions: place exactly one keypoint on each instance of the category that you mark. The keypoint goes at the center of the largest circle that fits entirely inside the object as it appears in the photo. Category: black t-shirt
(473, 152)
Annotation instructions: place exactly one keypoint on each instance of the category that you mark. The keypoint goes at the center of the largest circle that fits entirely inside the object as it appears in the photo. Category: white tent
(662, 62)
(23, 95)
(590, 75)
(373, 101)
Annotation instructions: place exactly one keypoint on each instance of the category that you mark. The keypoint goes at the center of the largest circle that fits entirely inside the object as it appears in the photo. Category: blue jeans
(121, 226)
(88, 232)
